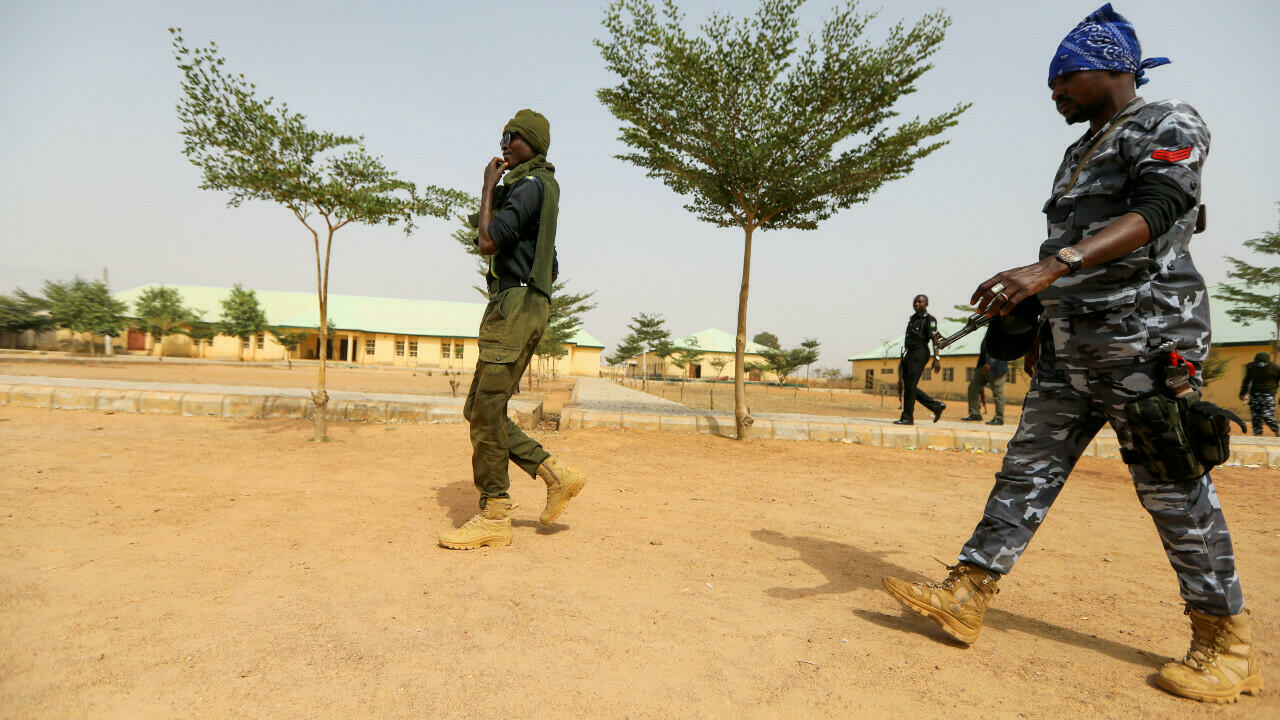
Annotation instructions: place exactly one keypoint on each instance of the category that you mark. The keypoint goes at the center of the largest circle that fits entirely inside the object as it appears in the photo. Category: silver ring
(997, 289)
(1001, 294)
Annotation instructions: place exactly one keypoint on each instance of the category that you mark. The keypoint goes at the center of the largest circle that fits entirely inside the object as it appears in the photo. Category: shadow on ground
(848, 567)
(460, 502)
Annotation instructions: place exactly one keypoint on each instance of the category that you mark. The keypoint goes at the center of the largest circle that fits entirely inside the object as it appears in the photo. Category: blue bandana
(1103, 41)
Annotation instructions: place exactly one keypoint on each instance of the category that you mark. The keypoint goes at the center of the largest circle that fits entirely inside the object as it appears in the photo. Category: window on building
(413, 348)
(1013, 373)
(968, 374)
(927, 374)
(370, 345)
(948, 374)
(886, 371)
(457, 350)
(244, 343)
(444, 349)
(400, 348)
(262, 340)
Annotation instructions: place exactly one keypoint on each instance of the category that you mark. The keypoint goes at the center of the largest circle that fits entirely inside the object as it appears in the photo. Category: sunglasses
(507, 137)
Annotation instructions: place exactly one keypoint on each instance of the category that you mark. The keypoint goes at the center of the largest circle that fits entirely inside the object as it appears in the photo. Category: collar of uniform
(1129, 108)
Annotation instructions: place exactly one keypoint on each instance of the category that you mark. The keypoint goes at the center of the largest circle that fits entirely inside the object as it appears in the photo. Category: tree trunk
(321, 397)
(741, 420)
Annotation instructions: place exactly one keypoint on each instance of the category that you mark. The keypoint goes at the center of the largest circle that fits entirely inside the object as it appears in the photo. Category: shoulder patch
(1172, 156)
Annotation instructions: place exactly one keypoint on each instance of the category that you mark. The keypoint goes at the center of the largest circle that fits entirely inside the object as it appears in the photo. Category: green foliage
(85, 306)
(242, 316)
(468, 237)
(758, 131)
(159, 310)
(563, 321)
(965, 310)
(783, 362)
(288, 339)
(23, 311)
(690, 354)
(809, 352)
(754, 128)
(1256, 294)
(646, 331)
(766, 339)
(256, 149)
(1215, 366)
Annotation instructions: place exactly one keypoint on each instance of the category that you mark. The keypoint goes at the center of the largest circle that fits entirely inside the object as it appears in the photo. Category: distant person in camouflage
(1259, 387)
(921, 328)
(989, 371)
(1119, 291)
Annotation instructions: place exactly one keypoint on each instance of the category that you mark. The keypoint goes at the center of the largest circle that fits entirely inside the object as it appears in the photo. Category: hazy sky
(93, 174)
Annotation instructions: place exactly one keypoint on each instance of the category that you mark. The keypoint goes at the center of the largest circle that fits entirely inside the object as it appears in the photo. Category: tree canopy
(646, 331)
(242, 316)
(1256, 293)
(85, 306)
(759, 131)
(160, 311)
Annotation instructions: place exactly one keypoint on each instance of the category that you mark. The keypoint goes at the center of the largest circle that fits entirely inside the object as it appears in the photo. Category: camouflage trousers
(513, 323)
(1262, 408)
(1063, 411)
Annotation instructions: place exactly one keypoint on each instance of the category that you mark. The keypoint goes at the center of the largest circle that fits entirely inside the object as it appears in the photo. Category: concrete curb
(257, 406)
(911, 437)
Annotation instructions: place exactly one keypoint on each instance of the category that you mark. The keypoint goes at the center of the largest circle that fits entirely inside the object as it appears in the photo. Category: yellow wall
(657, 366)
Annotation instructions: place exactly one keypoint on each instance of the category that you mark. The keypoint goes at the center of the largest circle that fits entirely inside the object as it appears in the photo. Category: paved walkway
(239, 401)
(598, 402)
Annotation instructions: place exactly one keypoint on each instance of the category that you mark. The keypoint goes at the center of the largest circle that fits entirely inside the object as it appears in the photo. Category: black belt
(506, 283)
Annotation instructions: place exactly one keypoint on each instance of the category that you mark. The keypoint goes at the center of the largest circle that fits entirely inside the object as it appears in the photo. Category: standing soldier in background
(1127, 319)
(1259, 387)
(517, 230)
(989, 371)
(921, 330)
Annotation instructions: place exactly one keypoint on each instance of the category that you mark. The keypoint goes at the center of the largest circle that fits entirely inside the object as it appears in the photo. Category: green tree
(290, 340)
(159, 311)
(22, 311)
(689, 354)
(809, 353)
(759, 133)
(201, 331)
(256, 149)
(717, 363)
(647, 333)
(1256, 293)
(782, 362)
(242, 316)
(766, 339)
(83, 306)
(563, 322)
(467, 237)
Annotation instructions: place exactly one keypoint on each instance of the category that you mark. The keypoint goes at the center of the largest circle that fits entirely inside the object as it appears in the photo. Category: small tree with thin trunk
(84, 306)
(759, 133)
(563, 322)
(255, 149)
(290, 340)
(809, 353)
(687, 355)
(242, 316)
(160, 311)
(648, 334)
(1256, 294)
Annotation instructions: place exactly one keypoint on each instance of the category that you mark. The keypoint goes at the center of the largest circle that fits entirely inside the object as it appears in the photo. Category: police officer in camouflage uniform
(517, 230)
(921, 329)
(1261, 377)
(1119, 289)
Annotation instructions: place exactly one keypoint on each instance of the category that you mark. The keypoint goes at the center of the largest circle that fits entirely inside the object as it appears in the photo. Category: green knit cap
(533, 127)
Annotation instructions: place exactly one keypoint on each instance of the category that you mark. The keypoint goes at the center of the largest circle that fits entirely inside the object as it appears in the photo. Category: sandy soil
(360, 379)
(812, 401)
(158, 566)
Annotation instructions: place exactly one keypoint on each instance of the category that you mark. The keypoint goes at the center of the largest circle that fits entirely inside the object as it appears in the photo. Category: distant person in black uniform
(915, 355)
(989, 371)
(1261, 378)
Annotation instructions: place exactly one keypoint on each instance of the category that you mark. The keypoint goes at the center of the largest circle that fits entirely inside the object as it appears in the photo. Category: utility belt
(1177, 436)
(497, 285)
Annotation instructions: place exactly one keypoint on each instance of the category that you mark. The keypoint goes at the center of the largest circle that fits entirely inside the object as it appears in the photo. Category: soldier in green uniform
(517, 230)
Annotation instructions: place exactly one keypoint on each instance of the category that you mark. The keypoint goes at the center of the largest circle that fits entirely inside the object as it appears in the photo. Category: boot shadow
(848, 567)
(538, 527)
(460, 501)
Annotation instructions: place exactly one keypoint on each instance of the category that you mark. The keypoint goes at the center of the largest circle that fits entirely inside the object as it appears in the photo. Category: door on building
(137, 340)
(695, 372)
(343, 349)
(871, 380)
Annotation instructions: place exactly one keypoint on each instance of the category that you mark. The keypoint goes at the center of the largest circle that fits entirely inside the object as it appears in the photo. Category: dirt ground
(553, 393)
(160, 566)
(811, 401)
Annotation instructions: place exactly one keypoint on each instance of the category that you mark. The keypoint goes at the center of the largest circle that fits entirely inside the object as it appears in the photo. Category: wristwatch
(1070, 257)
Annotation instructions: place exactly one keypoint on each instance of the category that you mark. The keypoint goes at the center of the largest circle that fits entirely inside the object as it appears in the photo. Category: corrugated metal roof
(396, 316)
(1225, 332)
(715, 340)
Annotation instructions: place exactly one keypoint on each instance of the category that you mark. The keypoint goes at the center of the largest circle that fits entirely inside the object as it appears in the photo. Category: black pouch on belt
(1160, 441)
(1209, 430)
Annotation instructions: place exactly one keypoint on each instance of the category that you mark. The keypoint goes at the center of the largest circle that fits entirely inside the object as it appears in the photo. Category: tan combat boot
(491, 527)
(563, 482)
(956, 603)
(1220, 663)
